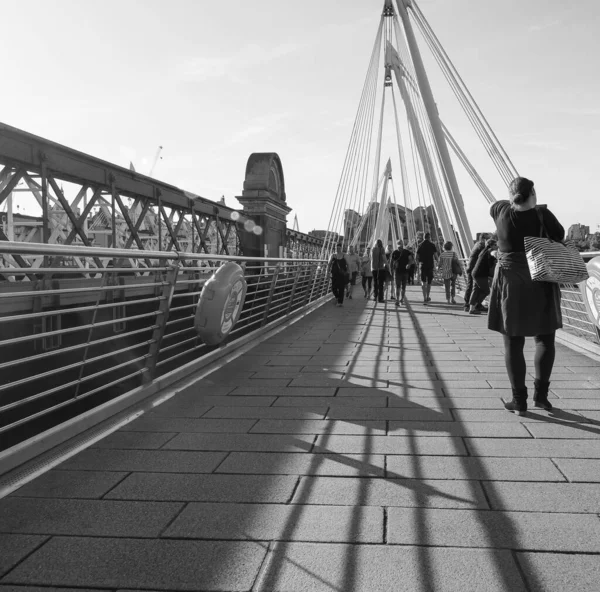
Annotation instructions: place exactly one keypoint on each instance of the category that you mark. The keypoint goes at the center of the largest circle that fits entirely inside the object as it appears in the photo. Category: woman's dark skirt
(520, 306)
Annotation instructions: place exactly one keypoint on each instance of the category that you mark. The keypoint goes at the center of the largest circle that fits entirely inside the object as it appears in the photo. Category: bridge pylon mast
(432, 113)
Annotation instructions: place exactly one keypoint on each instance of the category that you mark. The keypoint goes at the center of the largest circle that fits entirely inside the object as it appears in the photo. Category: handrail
(116, 332)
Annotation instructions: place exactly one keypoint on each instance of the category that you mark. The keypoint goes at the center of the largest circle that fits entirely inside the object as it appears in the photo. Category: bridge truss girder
(158, 217)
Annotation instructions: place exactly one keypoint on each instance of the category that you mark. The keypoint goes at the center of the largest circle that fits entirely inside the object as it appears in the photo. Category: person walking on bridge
(378, 265)
(338, 267)
(366, 273)
(427, 255)
(477, 248)
(401, 260)
(353, 261)
(449, 267)
(520, 307)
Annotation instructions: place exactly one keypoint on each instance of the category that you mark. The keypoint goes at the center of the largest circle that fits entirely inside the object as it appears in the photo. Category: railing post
(161, 318)
(270, 296)
(299, 272)
(311, 285)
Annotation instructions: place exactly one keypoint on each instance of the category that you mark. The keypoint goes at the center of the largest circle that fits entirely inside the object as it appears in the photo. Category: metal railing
(575, 315)
(72, 338)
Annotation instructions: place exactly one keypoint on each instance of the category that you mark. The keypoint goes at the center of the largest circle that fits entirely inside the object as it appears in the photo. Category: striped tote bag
(553, 261)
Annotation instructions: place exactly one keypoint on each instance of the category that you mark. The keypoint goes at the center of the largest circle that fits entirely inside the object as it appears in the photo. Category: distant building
(578, 232)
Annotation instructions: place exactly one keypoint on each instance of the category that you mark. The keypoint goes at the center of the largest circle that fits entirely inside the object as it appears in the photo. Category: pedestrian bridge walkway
(362, 449)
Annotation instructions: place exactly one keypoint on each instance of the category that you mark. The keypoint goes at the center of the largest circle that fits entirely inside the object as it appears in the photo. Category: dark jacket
(486, 263)
(475, 255)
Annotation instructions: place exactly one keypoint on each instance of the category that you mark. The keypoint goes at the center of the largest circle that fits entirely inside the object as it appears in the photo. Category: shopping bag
(553, 261)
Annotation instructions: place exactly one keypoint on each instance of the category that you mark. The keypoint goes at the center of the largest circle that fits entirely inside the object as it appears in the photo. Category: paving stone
(289, 360)
(415, 413)
(274, 463)
(152, 461)
(448, 402)
(285, 392)
(45, 589)
(471, 393)
(229, 400)
(204, 488)
(142, 564)
(533, 448)
(544, 497)
(485, 415)
(148, 423)
(134, 440)
(378, 399)
(561, 431)
(15, 547)
(73, 484)
(307, 412)
(193, 391)
(381, 568)
(254, 442)
(500, 530)
(176, 407)
(350, 491)
(86, 517)
(442, 445)
(554, 572)
(468, 467)
(271, 522)
(575, 393)
(234, 381)
(317, 380)
(317, 426)
(459, 429)
(580, 469)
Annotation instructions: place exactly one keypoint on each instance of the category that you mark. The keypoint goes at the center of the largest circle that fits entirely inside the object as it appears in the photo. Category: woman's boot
(540, 395)
(518, 404)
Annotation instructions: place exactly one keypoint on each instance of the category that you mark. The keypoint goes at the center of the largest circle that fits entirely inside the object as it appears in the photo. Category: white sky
(214, 81)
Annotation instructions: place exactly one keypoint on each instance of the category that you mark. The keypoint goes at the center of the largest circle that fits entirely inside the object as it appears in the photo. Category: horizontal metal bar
(72, 348)
(170, 347)
(14, 340)
(49, 313)
(60, 292)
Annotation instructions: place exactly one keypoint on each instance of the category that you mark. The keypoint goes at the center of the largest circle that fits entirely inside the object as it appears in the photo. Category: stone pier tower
(263, 200)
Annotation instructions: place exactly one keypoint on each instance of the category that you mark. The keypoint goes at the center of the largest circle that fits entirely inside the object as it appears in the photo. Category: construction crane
(296, 226)
(156, 158)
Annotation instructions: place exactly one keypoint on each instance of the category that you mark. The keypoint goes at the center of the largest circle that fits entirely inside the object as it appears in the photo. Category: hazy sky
(214, 81)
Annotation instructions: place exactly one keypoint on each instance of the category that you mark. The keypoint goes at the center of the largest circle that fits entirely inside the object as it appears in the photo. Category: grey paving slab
(471, 393)
(15, 547)
(377, 399)
(153, 461)
(308, 412)
(414, 413)
(583, 470)
(254, 442)
(317, 426)
(134, 440)
(442, 445)
(86, 517)
(289, 360)
(380, 568)
(149, 423)
(533, 448)
(557, 572)
(177, 407)
(475, 468)
(228, 400)
(563, 431)
(317, 380)
(350, 491)
(275, 463)
(204, 488)
(73, 484)
(249, 390)
(459, 429)
(142, 564)
(44, 589)
(544, 497)
(570, 533)
(193, 391)
(273, 522)
(575, 393)
(449, 402)
(234, 381)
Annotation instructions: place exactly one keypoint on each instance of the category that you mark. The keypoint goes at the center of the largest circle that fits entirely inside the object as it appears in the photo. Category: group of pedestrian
(498, 268)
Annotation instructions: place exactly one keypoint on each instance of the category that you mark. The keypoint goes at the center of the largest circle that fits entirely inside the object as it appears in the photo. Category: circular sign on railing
(220, 303)
(590, 290)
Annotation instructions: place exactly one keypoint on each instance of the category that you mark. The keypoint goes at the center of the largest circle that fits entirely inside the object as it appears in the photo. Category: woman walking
(378, 264)
(366, 273)
(338, 266)
(448, 265)
(520, 307)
